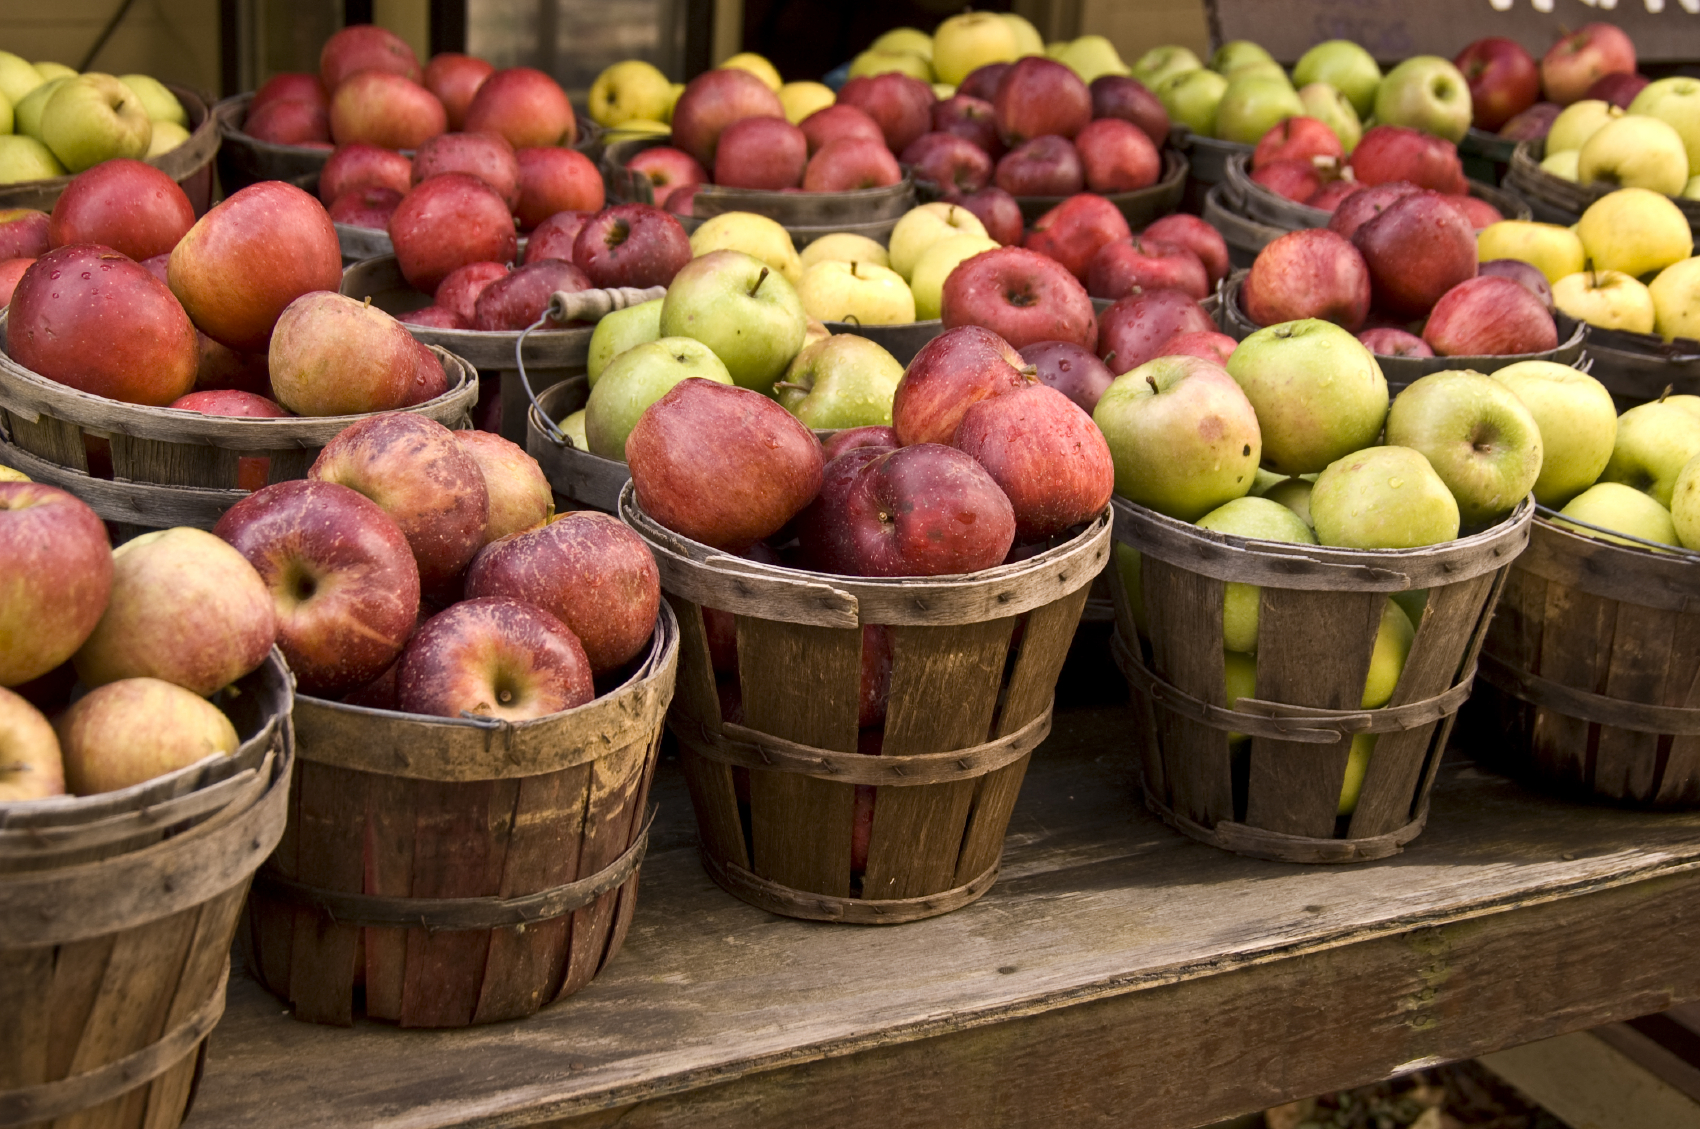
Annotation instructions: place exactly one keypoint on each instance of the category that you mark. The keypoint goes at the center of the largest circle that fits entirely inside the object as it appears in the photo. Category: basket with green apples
(1304, 572)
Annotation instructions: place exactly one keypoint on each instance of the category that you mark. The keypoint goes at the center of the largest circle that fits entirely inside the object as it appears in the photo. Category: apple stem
(1152, 381)
(761, 278)
(853, 265)
(1669, 388)
(1030, 370)
(787, 384)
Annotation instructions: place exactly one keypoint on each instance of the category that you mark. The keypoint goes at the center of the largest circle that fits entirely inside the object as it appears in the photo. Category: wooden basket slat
(172, 464)
(1579, 629)
(1679, 783)
(1185, 613)
(390, 823)
(944, 691)
(625, 895)
(616, 784)
(330, 844)
(271, 923)
(26, 979)
(137, 982)
(1626, 760)
(713, 794)
(53, 440)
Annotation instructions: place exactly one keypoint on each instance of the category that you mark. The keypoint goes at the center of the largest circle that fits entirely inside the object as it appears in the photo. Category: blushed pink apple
(1020, 295)
(1044, 453)
(953, 371)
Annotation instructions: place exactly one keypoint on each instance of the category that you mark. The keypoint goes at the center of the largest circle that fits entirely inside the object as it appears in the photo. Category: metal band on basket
(1243, 839)
(789, 902)
(433, 914)
(1679, 721)
(46, 1101)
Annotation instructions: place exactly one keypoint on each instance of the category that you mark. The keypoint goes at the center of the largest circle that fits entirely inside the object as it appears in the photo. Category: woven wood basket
(1140, 207)
(190, 164)
(1486, 156)
(361, 243)
(1590, 677)
(1244, 237)
(1208, 159)
(1267, 206)
(1276, 796)
(451, 872)
(1638, 367)
(115, 931)
(581, 480)
(169, 467)
(1556, 200)
(975, 664)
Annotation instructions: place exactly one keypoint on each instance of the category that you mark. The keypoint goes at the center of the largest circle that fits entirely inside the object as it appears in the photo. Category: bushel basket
(1265, 205)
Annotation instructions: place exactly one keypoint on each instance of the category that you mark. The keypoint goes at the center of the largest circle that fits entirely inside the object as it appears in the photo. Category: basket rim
(1674, 559)
(1651, 346)
(228, 110)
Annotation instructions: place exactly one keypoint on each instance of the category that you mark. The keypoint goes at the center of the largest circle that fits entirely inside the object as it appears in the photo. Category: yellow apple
(1636, 231)
(801, 99)
(11, 474)
(912, 40)
(17, 77)
(632, 90)
(845, 247)
(921, 227)
(943, 90)
(1612, 505)
(1635, 152)
(1685, 504)
(1387, 661)
(1577, 421)
(1565, 164)
(969, 41)
(870, 63)
(754, 235)
(1676, 300)
(926, 281)
(1028, 41)
(50, 70)
(1691, 190)
(166, 137)
(1577, 122)
(1609, 299)
(135, 729)
(756, 65)
(30, 765)
(1093, 55)
(1239, 672)
(157, 100)
(1357, 767)
(1554, 250)
(1677, 101)
(856, 292)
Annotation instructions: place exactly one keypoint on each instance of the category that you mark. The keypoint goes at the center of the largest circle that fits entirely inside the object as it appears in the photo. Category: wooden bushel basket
(1590, 677)
(1556, 200)
(1245, 237)
(115, 930)
(580, 479)
(459, 871)
(1140, 207)
(1638, 367)
(975, 661)
(1276, 798)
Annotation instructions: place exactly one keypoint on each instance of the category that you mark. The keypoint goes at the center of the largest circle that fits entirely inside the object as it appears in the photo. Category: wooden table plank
(1116, 974)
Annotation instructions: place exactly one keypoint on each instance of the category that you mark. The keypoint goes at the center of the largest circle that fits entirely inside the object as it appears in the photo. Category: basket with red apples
(872, 629)
(1304, 571)
(477, 680)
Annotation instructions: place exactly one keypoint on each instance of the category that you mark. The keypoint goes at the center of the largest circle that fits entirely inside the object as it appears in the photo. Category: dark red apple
(722, 465)
(682, 200)
(555, 180)
(454, 78)
(385, 109)
(23, 233)
(1129, 265)
(1136, 328)
(11, 270)
(1124, 97)
(1531, 124)
(714, 100)
(1074, 231)
(252, 473)
(458, 292)
(434, 317)
(1489, 317)
(1020, 295)
(1117, 156)
(903, 106)
(1416, 250)
(519, 299)
(223, 367)
(970, 119)
(873, 435)
(952, 371)
(1478, 213)
(486, 156)
(1328, 197)
(289, 122)
(1388, 341)
(369, 206)
(667, 168)
(494, 658)
(982, 82)
(765, 153)
(291, 86)
(632, 245)
(447, 222)
(1618, 89)
(525, 106)
(1582, 57)
(1504, 80)
(1071, 369)
(342, 579)
(841, 166)
(1044, 166)
(950, 162)
(1045, 454)
(1311, 273)
(839, 122)
(1039, 97)
(1391, 152)
(997, 211)
(1206, 345)
(1519, 271)
(430, 379)
(1294, 180)
(1196, 236)
(131, 207)
(555, 236)
(360, 165)
(1365, 204)
(1297, 139)
(366, 47)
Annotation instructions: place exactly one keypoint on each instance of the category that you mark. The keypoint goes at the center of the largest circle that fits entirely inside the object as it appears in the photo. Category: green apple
(935, 265)
(1685, 504)
(1676, 300)
(161, 105)
(1191, 98)
(845, 247)
(1318, 392)
(1333, 109)
(1609, 299)
(6, 116)
(1237, 53)
(1091, 56)
(861, 293)
(1428, 93)
(1476, 434)
(1691, 190)
(27, 112)
(1675, 101)
(1252, 106)
(1264, 480)
(1239, 678)
(636, 379)
(50, 70)
(25, 158)
(1160, 63)
(1635, 152)
(1578, 424)
(622, 330)
(736, 305)
(1412, 600)
(1579, 121)
(969, 41)
(1612, 505)
(1257, 519)
(754, 235)
(17, 77)
(1565, 164)
(166, 137)
(1554, 250)
(801, 99)
(1128, 570)
(1393, 641)
(1294, 493)
(1259, 68)
(870, 63)
(1028, 41)
(844, 381)
(913, 40)
(1636, 231)
(94, 118)
(1383, 498)
(630, 90)
(1345, 66)
(1654, 442)
(921, 227)
(573, 428)
(1357, 767)
(1182, 435)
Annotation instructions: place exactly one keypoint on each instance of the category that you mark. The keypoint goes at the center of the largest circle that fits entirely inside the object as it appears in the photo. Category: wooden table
(1117, 975)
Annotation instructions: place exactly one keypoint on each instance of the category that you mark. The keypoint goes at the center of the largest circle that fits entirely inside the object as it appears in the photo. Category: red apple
(360, 165)
(447, 222)
(1311, 273)
(997, 211)
(714, 100)
(722, 465)
(1071, 369)
(342, 579)
(519, 299)
(1392, 152)
(668, 168)
(128, 206)
(1044, 166)
(1120, 96)
(458, 292)
(982, 82)
(589, 570)
(136, 729)
(949, 162)
(1387, 341)
(555, 236)
(636, 245)
(1618, 89)
(494, 658)
(1020, 295)
(520, 494)
(250, 256)
(55, 577)
(839, 122)
(1478, 213)
(332, 356)
(11, 270)
(23, 233)
(1074, 231)
(1504, 80)
(289, 122)
(951, 372)
(291, 86)
(922, 510)
(1328, 197)
(1532, 123)
(1416, 250)
(873, 435)
(1580, 59)
(1204, 344)
(434, 317)
(1116, 156)
(841, 166)
(251, 473)
(1367, 203)
(1297, 139)
(486, 156)
(1137, 327)
(1196, 236)
(768, 153)
(1129, 265)
(1045, 454)
(1294, 180)
(970, 119)
(98, 322)
(369, 206)
(525, 106)
(454, 78)
(1040, 97)
(555, 180)
(386, 110)
(365, 47)
(430, 378)
(1489, 317)
(1526, 274)
(902, 105)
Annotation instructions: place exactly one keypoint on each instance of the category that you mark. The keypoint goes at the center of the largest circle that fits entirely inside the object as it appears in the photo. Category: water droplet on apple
(1395, 483)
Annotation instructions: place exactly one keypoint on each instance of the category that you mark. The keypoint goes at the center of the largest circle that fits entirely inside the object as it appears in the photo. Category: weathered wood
(579, 477)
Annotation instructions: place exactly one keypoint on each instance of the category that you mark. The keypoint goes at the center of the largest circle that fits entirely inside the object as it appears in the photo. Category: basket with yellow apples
(1304, 574)
(1562, 199)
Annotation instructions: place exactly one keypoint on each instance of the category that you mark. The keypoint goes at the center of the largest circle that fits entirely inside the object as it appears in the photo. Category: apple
(923, 226)
(128, 732)
(902, 105)
(1308, 274)
(385, 109)
(1159, 63)
(519, 493)
(434, 317)
(1684, 511)
(1578, 60)
(1555, 250)
(1611, 505)
(369, 207)
(1490, 317)
(853, 437)
(633, 90)
(1532, 124)
(1206, 344)
(1428, 93)
(1476, 434)
(365, 47)
(667, 168)
(635, 245)
(1074, 231)
(1382, 498)
(1300, 138)
(1676, 102)
(982, 82)
(1416, 250)
(1608, 299)
(25, 158)
(1182, 434)
(332, 355)
(1295, 180)
(714, 100)
(1673, 293)
(94, 118)
(1345, 66)
(741, 309)
(525, 106)
(287, 122)
(1257, 519)
(948, 162)
(1526, 275)
(1192, 98)
(1071, 369)
(460, 288)
(1130, 100)
(55, 578)
(1126, 267)
(1020, 295)
(757, 65)
(24, 233)
(126, 205)
(937, 263)
(873, 62)
(1318, 392)
(553, 238)
(844, 381)
(1198, 237)
(1636, 231)
(1251, 106)
(1577, 122)
(362, 165)
(553, 180)
(636, 379)
(1504, 80)
(11, 271)
(1654, 441)
(754, 235)
(996, 210)
(839, 122)
(1040, 97)
(860, 293)
(1618, 89)
(521, 298)
(1635, 151)
(1135, 329)
(966, 42)
(1566, 165)
(801, 99)
(1045, 453)
(1577, 422)
(1391, 152)
(619, 331)
(1330, 195)
(844, 247)
(17, 77)
(1386, 341)
(291, 86)
(94, 320)
(30, 765)
(1116, 156)
(1334, 110)
(494, 657)
(971, 119)
(760, 152)
(949, 374)
(454, 78)
(446, 222)
(484, 155)
(849, 165)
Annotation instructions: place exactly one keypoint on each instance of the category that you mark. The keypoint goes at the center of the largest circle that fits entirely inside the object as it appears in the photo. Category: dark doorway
(807, 38)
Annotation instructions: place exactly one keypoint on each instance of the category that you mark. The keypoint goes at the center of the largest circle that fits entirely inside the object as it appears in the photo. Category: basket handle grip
(593, 305)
